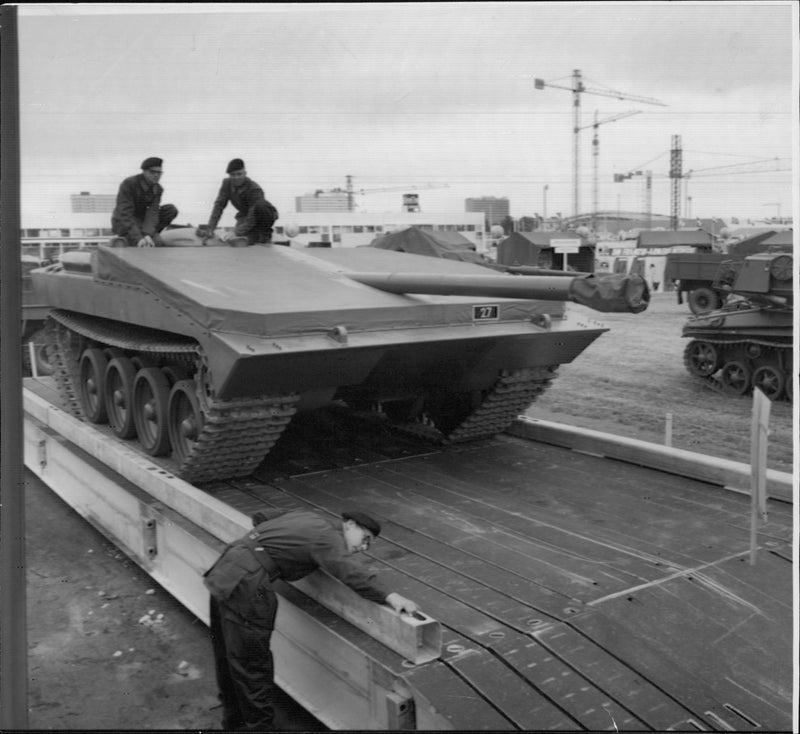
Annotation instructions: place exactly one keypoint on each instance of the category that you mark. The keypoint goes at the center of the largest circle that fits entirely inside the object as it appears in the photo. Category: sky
(435, 98)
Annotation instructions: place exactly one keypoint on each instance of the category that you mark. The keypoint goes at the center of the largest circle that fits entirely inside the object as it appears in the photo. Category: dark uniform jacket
(290, 544)
(244, 198)
(136, 212)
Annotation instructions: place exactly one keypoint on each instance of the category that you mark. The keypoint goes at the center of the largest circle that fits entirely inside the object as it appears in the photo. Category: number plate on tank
(485, 313)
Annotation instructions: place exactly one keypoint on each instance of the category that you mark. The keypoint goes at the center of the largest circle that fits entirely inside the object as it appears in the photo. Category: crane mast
(675, 174)
(577, 89)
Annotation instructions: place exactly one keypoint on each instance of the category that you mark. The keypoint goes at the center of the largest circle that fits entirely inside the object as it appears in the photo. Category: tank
(203, 353)
(747, 342)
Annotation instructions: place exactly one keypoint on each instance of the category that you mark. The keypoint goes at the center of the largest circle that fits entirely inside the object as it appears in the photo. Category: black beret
(151, 162)
(364, 520)
(237, 164)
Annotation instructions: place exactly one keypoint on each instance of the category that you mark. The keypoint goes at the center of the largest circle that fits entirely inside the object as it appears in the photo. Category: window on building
(358, 228)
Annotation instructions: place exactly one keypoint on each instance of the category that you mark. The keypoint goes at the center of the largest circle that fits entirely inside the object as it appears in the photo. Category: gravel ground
(630, 378)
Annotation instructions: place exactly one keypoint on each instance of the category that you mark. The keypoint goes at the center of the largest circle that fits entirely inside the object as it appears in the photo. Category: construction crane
(577, 89)
(596, 151)
(676, 175)
(351, 191)
(648, 191)
(763, 165)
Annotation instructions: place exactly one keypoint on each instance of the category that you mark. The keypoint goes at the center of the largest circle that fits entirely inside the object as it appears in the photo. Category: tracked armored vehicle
(748, 342)
(205, 353)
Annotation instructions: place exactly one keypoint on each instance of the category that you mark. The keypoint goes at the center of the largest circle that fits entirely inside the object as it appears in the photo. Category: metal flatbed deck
(575, 592)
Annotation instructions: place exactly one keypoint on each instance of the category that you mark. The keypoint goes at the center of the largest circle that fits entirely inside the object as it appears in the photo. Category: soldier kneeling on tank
(139, 216)
(254, 214)
(288, 545)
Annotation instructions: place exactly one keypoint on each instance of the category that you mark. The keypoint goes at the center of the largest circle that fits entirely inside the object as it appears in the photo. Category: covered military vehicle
(694, 273)
(417, 241)
(206, 352)
(747, 342)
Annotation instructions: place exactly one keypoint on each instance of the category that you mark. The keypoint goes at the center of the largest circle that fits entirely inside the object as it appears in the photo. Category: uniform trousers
(166, 214)
(241, 628)
(256, 224)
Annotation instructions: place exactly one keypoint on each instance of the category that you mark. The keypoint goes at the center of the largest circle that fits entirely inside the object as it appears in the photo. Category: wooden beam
(732, 475)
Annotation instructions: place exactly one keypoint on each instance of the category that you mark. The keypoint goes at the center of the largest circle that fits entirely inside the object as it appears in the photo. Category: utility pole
(577, 89)
(544, 206)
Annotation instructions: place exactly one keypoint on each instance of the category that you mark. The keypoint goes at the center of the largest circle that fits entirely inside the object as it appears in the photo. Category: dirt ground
(107, 647)
(632, 376)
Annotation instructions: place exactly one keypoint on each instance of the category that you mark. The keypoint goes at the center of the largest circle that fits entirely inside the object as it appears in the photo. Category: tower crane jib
(577, 89)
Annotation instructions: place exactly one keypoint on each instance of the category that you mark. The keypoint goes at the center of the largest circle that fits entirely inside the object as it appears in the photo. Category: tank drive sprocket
(467, 416)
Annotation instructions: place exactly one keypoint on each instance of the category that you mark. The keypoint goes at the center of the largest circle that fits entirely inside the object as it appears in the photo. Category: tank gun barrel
(607, 293)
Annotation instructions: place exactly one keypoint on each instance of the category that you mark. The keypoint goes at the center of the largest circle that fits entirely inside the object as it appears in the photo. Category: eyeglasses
(155, 170)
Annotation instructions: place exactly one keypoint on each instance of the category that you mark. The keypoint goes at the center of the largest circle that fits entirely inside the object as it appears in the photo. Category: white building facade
(50, 235)
(355, 229)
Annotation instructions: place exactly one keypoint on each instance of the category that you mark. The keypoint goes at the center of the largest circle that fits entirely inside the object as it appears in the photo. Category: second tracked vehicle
(204, 353)
(747, 343)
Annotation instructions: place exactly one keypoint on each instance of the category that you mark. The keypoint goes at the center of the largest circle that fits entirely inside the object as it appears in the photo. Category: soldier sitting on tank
(284, 544)
(138, 216)
(255, 215)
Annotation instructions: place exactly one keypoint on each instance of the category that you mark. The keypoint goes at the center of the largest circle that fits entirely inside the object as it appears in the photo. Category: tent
(449, 245)
(541, 249)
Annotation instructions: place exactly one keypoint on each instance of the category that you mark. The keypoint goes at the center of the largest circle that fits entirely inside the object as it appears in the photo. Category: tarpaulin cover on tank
(444, 244)
(277, 290)
(762, 242)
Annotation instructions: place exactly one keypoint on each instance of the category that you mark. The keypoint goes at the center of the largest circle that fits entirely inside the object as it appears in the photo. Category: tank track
(714, 383)
(236, 434)
(61, 352)
(508, 398)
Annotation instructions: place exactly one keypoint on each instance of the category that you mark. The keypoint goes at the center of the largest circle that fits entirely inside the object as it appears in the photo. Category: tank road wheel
(703, 300)
(735, 377)
(174, 373)
(120, 377)
(184, 418)
(770, 380)
(92, 385)
(701, 358)
(150, 409)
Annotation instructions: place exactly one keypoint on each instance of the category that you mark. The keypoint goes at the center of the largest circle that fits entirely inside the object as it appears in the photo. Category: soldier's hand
(401, 604)
(146, 241)
(204, 232)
